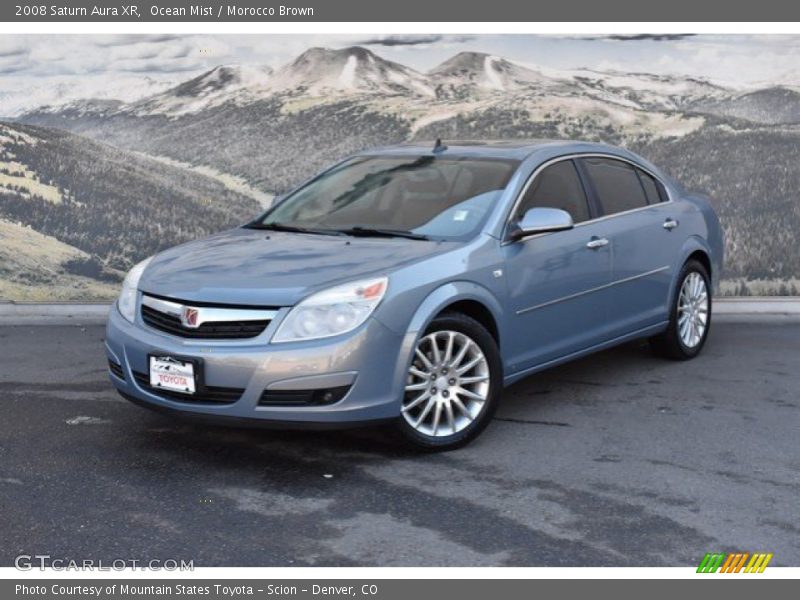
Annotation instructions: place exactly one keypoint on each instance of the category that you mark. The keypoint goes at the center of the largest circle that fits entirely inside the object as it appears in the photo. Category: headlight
(333, 311)
(127, 298)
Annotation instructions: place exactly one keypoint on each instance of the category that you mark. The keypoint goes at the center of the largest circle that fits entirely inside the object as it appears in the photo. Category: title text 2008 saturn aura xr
(413, 283)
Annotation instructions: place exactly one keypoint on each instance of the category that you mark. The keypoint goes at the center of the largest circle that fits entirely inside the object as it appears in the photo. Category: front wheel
(452, 386)
(690, 315)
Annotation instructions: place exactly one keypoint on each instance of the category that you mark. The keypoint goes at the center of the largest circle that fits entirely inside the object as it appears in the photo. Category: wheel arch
(465, 297)
(702, 257)
(459, 295)
(477, 311)
(694, 248)
(697, 248)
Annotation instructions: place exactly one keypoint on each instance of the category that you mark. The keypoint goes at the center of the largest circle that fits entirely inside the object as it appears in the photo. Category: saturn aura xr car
(412, 284)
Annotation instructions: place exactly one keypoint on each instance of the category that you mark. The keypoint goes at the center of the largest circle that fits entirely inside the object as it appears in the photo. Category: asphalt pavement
(617, 459)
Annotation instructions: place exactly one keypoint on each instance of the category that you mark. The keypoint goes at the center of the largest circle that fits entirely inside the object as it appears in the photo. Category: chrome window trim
(523, 311)
(573, 156)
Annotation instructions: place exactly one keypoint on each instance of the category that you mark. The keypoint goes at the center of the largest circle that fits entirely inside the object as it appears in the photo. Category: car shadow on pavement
(524, 400)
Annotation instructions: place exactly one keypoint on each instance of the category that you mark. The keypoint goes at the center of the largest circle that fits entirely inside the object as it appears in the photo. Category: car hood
(267, 268)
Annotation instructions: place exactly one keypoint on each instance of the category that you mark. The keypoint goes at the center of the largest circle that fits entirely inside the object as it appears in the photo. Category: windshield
(421, 197)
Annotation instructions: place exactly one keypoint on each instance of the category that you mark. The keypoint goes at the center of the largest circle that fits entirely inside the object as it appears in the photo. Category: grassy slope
(117, 206)
(35, 267)
(98, 210)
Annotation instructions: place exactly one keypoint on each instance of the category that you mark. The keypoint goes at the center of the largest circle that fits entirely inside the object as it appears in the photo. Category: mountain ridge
(276, 129)
(467, 75)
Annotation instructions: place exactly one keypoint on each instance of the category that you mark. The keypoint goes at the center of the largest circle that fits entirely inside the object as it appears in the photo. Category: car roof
(509, 149)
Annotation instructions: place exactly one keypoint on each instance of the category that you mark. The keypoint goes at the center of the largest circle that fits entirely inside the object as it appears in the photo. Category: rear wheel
(690, 317)
(452, 386)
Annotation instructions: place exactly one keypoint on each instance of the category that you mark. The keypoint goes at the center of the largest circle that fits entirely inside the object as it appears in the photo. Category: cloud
(10, 47)
(149, 50)
(14, 68)
(156, 66)
(652, 37)
(12, 52)
(410, 40)
(634, 37)
(112, 41)
(14, 62)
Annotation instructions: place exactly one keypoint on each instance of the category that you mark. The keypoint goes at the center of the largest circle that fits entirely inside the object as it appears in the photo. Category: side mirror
(542, 220)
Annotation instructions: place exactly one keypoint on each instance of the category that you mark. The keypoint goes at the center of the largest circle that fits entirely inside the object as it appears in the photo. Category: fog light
(320, 397)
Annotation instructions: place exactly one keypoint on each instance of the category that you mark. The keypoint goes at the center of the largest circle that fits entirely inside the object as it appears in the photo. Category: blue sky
(34, 68)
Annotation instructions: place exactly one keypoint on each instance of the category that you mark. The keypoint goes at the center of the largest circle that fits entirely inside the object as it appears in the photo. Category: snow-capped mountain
(333, 74)
(247, 110)
(230, 83)
(468, 73)
(648, 91)
(222, 78)
(85, 107)
(271, 130)
(77, 93)
(349, 70)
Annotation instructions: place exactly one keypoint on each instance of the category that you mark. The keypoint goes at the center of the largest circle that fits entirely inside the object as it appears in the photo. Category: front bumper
(371, 360)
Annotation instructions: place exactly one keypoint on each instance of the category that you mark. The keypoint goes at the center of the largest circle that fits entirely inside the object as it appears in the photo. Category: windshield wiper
(291, 228)
(381, 232)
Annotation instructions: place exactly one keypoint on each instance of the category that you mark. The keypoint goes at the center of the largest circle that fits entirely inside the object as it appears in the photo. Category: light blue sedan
(413, 283)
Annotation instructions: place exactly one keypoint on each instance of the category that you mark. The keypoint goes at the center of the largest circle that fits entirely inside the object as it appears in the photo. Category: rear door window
(616, 184)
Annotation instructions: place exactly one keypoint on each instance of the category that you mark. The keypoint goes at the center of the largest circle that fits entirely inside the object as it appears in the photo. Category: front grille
(222, 330)
(207, 395)
(318, 397)
(116, 370)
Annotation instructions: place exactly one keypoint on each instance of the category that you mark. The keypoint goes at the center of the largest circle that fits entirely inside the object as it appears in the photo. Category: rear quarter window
(616, 184)
(652, 188)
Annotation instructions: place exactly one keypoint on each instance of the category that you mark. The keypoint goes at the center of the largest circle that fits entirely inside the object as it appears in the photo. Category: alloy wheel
(693, 310)
(447, 385)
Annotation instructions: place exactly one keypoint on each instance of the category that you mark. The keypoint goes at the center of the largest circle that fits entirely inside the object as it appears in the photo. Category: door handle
(596, 243)
(670, 224)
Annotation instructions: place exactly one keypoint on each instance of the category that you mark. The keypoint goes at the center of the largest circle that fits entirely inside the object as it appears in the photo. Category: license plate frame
(195, 369)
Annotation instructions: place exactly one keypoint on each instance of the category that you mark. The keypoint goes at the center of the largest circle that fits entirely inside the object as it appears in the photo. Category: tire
(673, 343)
(461, 415)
